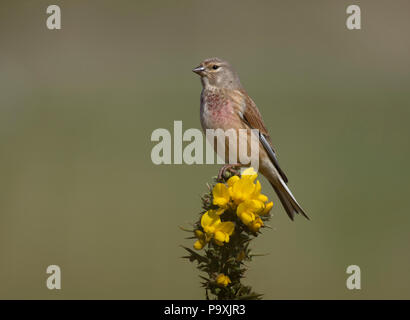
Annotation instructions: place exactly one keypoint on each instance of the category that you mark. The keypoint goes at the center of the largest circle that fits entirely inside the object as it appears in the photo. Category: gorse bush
(234, 212)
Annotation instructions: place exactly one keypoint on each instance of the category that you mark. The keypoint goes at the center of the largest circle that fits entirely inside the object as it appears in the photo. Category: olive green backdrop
(78, 106)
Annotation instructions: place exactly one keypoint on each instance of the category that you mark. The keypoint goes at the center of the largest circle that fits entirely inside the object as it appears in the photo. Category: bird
(224, 104)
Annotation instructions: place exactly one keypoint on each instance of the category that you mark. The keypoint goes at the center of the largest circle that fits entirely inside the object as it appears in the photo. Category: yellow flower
(202, 240)
(224, 230)
(221, 195)
(246, 217)
(209, 221)
(223, 280)
(257, 193)
(240, 193)
(215, 228)
(199, 234)
(242, 190)
(256, 224)
(248, 210)
(199, 244)
(232, 180)
(249, 173)
(267, 209)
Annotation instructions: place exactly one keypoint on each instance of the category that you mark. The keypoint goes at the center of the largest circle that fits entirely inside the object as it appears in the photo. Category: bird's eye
(215, 67)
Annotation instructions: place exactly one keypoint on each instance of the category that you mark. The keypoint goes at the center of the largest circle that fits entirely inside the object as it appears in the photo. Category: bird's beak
(198, 70)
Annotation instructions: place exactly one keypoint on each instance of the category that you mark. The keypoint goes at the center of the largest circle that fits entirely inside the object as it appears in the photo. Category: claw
(228, 167)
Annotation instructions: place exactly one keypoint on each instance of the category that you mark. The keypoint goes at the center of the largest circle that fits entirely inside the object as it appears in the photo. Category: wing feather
(252, 116)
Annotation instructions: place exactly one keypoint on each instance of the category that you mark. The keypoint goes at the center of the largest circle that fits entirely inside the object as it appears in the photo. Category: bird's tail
(287, 199)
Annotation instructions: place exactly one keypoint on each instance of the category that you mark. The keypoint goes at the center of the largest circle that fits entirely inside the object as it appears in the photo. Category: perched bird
(226, 105)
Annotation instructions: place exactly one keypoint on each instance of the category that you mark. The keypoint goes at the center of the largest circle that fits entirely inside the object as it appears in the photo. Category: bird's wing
(253, 118)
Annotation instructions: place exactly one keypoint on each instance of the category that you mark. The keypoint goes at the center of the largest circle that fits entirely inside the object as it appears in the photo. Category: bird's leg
(228, 167)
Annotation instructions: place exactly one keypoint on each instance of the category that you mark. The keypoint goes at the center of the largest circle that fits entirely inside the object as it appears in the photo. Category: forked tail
(287, 199)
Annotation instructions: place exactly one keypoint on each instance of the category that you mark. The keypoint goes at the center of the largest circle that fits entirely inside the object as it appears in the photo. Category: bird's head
(215, 72)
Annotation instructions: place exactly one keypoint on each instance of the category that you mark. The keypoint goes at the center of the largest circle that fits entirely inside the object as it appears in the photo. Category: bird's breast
(217, 111)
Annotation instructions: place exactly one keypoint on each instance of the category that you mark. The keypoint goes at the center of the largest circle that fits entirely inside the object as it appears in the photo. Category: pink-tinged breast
(218, 111)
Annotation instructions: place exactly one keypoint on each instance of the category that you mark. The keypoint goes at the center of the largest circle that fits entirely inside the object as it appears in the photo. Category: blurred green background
(78, 106)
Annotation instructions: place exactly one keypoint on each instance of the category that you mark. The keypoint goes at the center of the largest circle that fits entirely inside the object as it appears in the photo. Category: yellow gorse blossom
(202, 240)
(256, 224)
(243, 195)
(214, 228)
(223, 280)
(221, 195)
(248, 210)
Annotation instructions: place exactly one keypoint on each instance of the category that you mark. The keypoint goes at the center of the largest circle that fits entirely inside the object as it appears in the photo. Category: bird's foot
(230, 168)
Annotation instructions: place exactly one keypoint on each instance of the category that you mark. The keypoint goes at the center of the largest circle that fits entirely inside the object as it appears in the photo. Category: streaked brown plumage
(226, 105)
